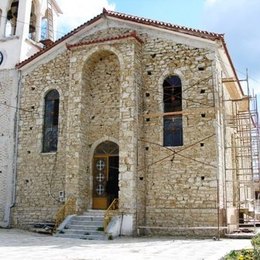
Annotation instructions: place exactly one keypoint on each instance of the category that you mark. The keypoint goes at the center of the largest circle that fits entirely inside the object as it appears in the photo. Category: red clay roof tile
(126, 17)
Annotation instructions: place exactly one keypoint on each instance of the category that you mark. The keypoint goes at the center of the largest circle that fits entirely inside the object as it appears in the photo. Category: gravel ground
(17, 244)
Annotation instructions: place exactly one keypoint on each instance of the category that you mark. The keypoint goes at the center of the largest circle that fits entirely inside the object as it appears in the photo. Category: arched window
(51, 121)
(172, 100)
(12, 18)
(32, 25)
(44, 28)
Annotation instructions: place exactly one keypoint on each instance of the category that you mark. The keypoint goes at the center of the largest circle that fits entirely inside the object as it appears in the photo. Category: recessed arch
(108, 48)
(100, 95)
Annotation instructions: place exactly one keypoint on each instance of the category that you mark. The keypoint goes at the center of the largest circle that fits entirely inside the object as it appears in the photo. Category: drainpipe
(7, 217)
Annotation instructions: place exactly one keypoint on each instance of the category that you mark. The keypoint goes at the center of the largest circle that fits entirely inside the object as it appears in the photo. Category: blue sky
(238, 19)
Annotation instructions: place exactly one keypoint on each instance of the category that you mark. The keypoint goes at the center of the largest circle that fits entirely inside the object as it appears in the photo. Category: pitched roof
(131, 34)
(163, 25)
(130, 18)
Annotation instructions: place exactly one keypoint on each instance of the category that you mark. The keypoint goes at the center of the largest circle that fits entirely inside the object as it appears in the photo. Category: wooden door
(100, 177)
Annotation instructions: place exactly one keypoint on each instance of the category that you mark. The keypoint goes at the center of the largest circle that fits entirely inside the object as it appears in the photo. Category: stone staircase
(87, 226)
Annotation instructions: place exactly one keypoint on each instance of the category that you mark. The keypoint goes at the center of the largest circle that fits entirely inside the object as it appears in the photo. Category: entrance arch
(105, 174)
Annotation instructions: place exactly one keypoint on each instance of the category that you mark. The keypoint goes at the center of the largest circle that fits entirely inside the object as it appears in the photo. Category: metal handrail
(108, 214)
(69, 208)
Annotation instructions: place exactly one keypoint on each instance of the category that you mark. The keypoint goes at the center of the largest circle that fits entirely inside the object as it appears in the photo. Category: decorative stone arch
(100, 141)
(94, 54)
(105, 48)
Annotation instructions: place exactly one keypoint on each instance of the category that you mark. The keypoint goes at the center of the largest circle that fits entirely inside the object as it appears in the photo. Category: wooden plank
(184, 112)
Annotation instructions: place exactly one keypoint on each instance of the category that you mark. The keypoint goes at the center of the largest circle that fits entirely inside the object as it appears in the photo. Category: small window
(172, 100)
(51, 120)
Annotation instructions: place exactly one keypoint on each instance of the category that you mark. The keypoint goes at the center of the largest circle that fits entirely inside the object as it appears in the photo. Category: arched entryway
(105, 175)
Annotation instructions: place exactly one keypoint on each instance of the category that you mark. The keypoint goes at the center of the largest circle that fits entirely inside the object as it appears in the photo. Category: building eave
(128, 18)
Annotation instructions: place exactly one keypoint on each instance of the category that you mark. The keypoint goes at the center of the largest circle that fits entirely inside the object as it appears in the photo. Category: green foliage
(256, 244)
(244, 254)
(256, 241)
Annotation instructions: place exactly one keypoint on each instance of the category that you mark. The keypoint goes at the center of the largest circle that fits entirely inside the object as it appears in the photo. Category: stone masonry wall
(113, 91)
(181, 181)
(40, 176)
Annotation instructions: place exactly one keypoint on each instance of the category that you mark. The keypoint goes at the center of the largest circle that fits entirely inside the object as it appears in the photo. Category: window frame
(172, 103)
(50, 131)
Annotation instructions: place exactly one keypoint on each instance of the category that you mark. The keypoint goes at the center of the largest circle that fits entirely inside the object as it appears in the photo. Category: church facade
(132, 109)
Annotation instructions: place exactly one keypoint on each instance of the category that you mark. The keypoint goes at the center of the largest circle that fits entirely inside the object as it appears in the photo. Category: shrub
(256, 244)
(244, 254)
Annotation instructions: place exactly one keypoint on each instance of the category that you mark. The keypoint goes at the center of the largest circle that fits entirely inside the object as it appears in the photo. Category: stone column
(73, 146)
(128, 140)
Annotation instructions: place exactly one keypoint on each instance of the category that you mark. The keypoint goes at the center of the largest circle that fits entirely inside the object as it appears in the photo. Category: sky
(239, 20)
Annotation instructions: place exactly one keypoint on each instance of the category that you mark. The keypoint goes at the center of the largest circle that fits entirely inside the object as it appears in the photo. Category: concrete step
(88, 218)
(83, 232)
(86, 226)
(87, 223)
(87, 237)
(100, 213)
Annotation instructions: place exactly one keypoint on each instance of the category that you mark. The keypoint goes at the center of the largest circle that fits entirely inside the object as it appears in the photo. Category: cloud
(79, 12)
(210, 2)
(239, 20)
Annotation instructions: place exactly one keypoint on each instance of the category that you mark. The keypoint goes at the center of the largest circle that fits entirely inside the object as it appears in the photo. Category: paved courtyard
(16, 244)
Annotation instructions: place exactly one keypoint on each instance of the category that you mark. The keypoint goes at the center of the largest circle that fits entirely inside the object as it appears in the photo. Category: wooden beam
(184, 112)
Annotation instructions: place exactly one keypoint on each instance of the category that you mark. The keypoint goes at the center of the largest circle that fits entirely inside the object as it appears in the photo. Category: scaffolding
(242, 156)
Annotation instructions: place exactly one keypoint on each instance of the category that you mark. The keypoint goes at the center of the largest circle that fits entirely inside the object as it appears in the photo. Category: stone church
(132, 110)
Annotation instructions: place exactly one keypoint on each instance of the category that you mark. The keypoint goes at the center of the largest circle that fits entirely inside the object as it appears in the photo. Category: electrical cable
(64, 33)
(173, 151)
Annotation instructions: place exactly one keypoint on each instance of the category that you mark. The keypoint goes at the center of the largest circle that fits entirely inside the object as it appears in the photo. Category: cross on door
(100, 189)
(100, 177)
(100, 165)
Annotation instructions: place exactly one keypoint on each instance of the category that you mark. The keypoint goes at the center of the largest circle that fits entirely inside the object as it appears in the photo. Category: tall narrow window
(44, 28)
(0, 17)
(32, 25)
(51, 120)
(172, 124)
(12, 18)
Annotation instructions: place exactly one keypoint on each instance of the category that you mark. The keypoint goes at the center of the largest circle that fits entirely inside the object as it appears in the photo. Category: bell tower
(24, 25)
